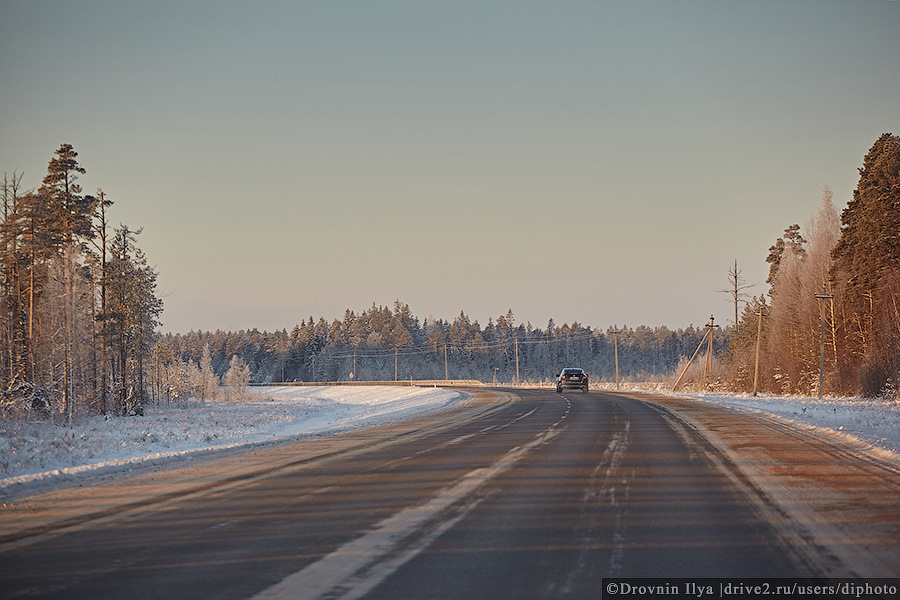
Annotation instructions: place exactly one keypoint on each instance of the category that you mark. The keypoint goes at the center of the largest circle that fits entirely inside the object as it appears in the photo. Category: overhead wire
(466, 347)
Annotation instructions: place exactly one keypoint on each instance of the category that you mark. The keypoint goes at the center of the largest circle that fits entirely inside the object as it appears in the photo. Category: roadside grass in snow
(872, 421)
(36, 450)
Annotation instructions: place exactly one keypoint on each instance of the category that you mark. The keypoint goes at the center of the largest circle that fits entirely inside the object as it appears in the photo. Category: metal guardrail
(407, 382)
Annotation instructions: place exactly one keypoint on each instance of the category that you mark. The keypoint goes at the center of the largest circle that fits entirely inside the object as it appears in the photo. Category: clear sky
(604, 162)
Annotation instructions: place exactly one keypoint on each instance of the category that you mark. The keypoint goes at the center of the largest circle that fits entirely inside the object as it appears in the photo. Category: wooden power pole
(711, 326)
(822, 296)
(762, 314)
(616, 346)
(517, 360)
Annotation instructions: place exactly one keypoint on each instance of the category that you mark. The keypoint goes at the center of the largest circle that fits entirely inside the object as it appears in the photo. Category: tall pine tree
(71, 223)
(870, 240)
(867, 267)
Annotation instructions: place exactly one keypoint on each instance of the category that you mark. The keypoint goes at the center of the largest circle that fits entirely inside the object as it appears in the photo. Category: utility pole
(446, 372)
(736, 292)
(616, 346)
(762, 314)
(395, 363)
(517, 360)
(711, 325)
(822, 296)
(693, 356)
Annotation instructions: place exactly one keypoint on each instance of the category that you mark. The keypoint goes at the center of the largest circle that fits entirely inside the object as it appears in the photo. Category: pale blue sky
(604, 162)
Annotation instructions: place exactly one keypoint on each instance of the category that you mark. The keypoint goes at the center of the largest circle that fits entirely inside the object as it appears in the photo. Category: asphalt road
(539, 498)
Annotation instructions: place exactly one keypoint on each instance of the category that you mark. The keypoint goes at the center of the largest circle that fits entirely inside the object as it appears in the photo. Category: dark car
(572, 378)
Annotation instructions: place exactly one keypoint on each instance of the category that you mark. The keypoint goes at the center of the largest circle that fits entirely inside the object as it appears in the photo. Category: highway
(520, 493)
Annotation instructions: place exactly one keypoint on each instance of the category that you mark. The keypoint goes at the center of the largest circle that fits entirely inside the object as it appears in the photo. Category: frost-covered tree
(824, 231)
(236, 379)
(796, 313)
(207, 384)
(132, 317)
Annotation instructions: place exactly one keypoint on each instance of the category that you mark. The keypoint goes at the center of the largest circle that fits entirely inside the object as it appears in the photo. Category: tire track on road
(360, 565)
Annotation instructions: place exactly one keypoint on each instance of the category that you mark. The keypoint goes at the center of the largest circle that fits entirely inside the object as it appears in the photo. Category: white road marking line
(359, 565)
(452, 442)
(519, 418)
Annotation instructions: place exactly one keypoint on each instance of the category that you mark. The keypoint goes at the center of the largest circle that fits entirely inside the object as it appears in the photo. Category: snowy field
(41, 453)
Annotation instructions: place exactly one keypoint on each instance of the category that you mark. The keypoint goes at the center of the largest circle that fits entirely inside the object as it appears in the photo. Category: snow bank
(875, 422)
(32, 452)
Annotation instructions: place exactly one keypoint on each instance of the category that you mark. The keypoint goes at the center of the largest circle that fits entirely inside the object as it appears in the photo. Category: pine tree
(11, 283)
(71, 222)
(870, 241)
(100, 243)
(790, 240)
(132, 316)
(57, 321)
(867, 265)
(35, 253)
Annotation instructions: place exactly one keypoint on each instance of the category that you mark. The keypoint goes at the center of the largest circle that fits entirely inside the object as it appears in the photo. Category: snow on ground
(39, 455)
(875, 422)
(40, 452)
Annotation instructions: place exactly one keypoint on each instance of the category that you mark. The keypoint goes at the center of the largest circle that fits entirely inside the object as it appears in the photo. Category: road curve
(525, 494)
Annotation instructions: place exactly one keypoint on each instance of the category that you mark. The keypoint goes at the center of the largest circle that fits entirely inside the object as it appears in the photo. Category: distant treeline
(387, 343)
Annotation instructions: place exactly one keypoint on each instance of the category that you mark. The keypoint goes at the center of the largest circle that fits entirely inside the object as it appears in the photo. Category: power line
(466, 347)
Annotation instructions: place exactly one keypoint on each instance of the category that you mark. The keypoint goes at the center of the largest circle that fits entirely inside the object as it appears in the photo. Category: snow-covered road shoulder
(42, 455)
(874, 422)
